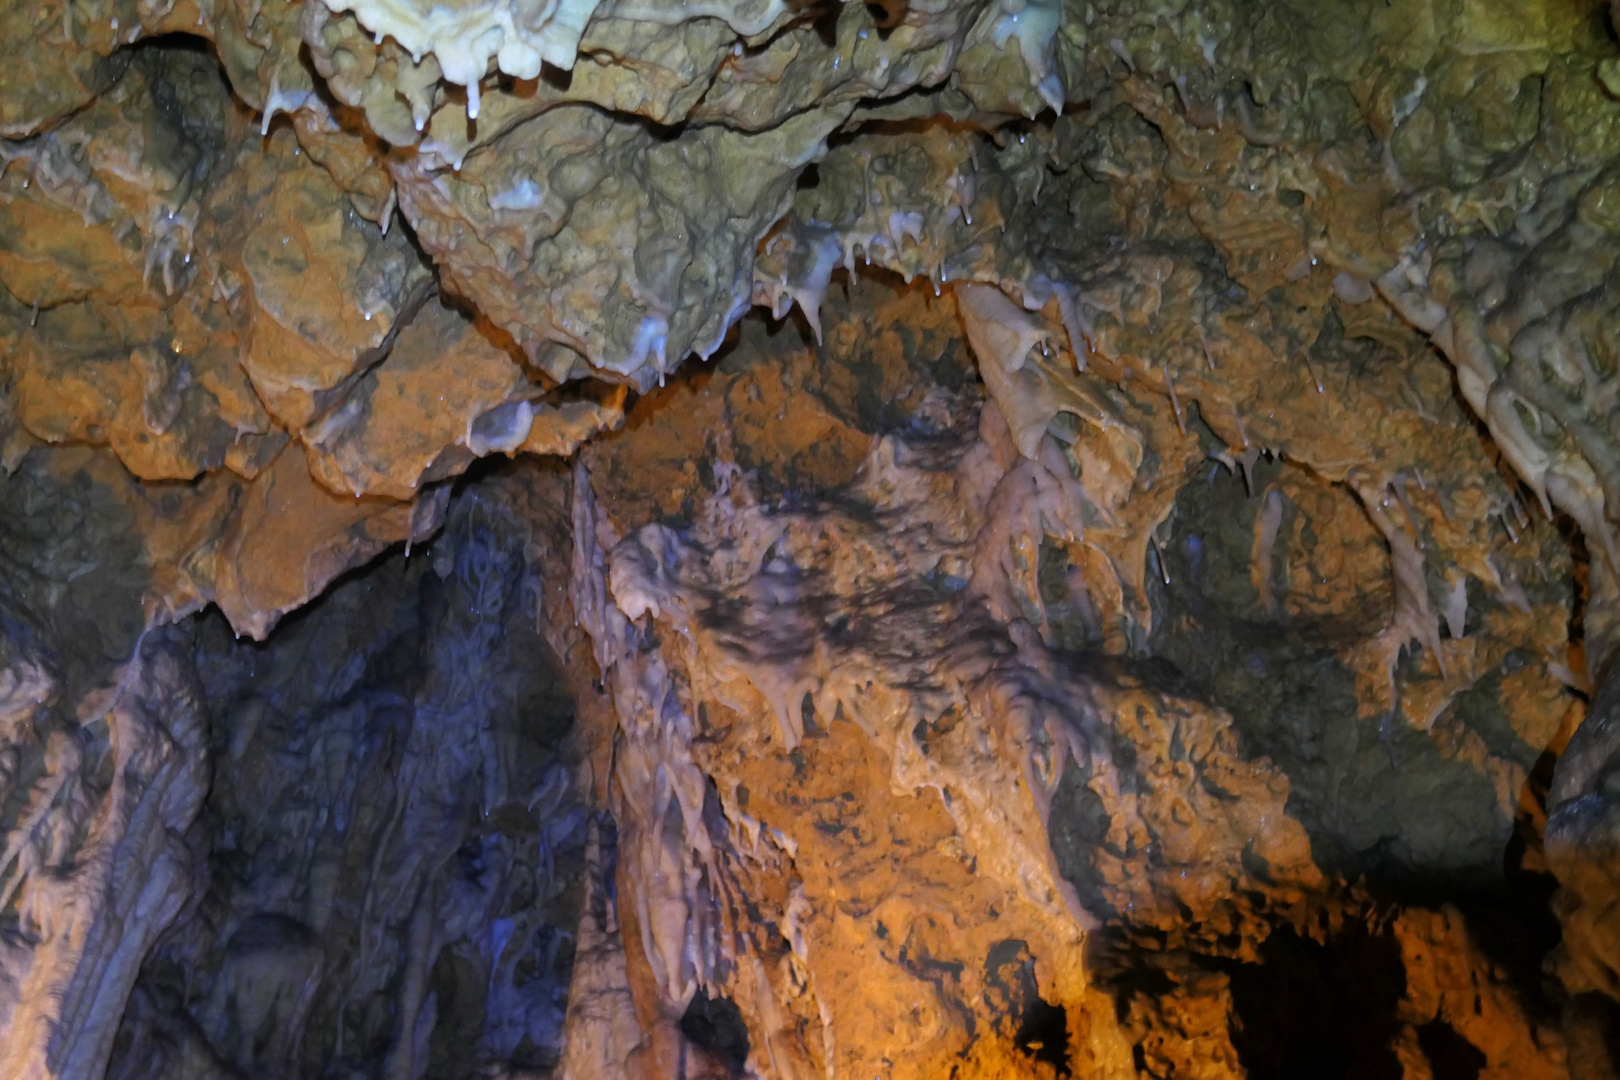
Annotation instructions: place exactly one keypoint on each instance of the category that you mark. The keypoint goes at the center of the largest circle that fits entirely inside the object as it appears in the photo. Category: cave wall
(990, 538)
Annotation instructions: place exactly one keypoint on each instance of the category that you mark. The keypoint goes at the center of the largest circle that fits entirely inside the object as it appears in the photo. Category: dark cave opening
(716, 1025)
(401, 680)
(1451, 1056)
(1043, 1034)
(1319, 1011)
(1039, 1028)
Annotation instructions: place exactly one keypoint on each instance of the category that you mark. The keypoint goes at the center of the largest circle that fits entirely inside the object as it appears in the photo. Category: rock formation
(926, 538)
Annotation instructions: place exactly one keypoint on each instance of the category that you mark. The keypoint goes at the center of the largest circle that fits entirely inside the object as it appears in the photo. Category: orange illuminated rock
(327, 290)
(289, 537)
(1153, 570)
(424, 405)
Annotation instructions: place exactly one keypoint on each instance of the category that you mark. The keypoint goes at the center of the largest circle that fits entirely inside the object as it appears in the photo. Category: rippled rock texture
(931, 538)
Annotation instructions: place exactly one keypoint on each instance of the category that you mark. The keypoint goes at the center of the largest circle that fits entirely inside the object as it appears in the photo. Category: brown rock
(288, 538)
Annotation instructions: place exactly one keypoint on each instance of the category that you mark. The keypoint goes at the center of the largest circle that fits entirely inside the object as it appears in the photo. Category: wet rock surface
(980, 539)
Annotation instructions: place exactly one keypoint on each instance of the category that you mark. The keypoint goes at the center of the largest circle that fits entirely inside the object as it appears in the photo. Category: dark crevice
(1038, 1027)
(1451, 1056)
(716, 1025)
(1044, 1035)
(1327, 1012)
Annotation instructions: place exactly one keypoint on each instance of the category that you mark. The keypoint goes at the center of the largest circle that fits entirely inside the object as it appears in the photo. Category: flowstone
(1085, 542)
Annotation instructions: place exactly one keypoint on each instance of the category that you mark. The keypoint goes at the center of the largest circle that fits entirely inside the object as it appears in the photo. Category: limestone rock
(1121, 624)
(289, 538)
(582, 232)
(329, 291)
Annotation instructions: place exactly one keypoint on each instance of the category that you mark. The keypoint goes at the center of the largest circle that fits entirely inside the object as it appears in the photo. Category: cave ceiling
(675, 539)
